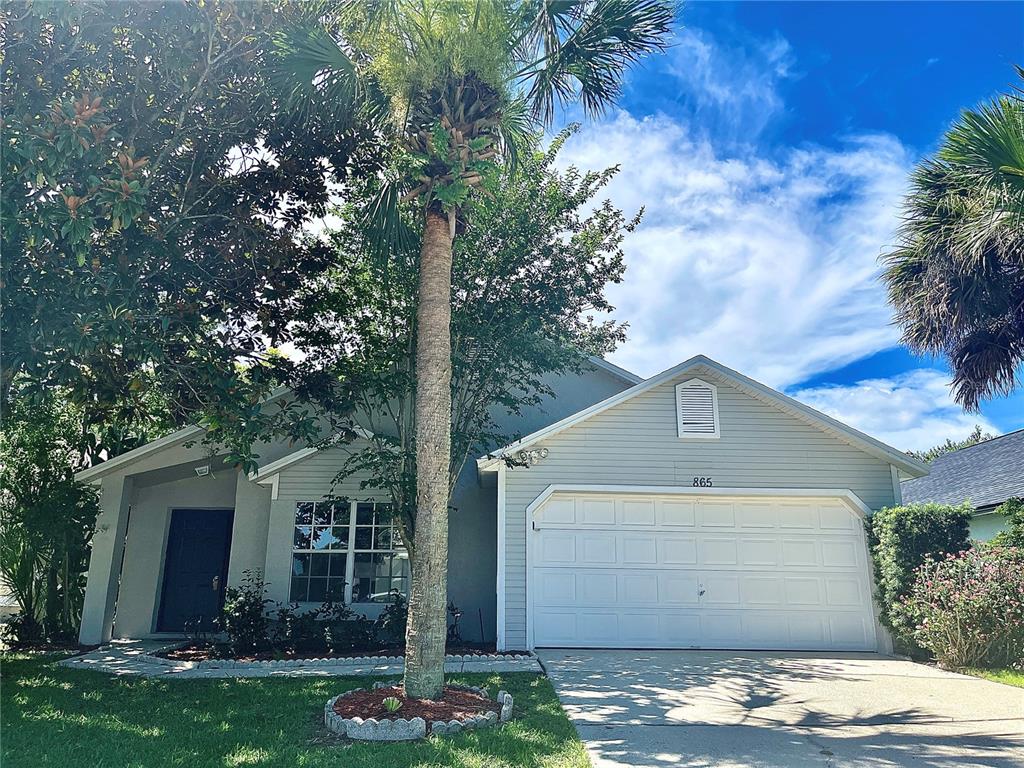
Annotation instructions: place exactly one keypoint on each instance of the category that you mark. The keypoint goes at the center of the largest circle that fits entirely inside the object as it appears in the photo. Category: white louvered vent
(697, 409)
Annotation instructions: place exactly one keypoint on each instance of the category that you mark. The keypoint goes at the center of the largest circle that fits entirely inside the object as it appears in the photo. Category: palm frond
(600, 41)
(387, 232)
(516, 129)
(310, 70)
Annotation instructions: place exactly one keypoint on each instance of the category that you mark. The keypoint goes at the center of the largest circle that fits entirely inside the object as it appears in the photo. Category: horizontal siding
(312, 479)
(635, 443)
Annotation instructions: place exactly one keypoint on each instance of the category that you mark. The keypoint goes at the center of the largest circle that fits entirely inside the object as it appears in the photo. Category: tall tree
(153, 189)
(930, 455)
(529, 276)
(956, 277)
(460, 81)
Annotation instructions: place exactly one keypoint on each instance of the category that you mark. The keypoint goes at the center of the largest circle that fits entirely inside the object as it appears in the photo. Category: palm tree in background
(956, 277)
(455, 86)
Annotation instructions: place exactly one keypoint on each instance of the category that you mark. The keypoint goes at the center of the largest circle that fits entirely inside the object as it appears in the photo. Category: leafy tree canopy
(930, 455)
(153, 189)
(530, 273)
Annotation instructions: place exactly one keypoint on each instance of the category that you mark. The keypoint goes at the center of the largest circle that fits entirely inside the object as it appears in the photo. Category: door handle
(700, 590)
(215, 584)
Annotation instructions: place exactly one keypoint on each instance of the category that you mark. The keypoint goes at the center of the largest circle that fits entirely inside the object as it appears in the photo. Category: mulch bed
(456, 704)
(195, 652)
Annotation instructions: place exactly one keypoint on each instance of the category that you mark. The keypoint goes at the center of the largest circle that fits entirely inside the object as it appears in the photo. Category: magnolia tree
(153, 186)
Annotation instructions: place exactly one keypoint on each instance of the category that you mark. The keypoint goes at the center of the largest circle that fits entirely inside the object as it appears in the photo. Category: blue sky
(771, 147)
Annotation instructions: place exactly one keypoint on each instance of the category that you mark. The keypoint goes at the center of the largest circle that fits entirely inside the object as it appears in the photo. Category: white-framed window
(697, 409)
(346, 550)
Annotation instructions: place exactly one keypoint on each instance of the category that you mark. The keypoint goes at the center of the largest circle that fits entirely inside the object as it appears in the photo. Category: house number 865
(702, 482)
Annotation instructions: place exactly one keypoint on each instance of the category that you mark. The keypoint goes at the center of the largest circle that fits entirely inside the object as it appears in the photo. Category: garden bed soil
(456, 704)
(198, 652)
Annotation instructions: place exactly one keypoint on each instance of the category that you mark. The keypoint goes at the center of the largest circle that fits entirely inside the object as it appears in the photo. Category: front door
(195, 569)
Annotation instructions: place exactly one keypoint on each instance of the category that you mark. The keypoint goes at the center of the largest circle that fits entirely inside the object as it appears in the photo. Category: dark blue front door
(195, 569)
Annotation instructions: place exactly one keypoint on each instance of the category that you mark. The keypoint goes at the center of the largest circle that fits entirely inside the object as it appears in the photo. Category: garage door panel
(798, 516)
(638, 512)
(679, 588)
(598, 549)
(844, 592)
(677, 513)
(756, 515)
(558, 547)
(716, 514)
(641, 629)
(640, 550)
(759, 552)
(719, 551)
(666, 572)
(801, 553)
(761, 590)
(640, 588)
(803, 591)
(599, 512)
(836, 553)
(597, 588)
(677, 550)
(603, 627)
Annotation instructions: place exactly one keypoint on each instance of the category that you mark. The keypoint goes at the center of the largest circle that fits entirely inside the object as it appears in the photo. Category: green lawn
(52, 716)
(1007, 676)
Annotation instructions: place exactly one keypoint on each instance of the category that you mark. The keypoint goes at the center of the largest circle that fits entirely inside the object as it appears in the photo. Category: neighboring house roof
(622, 373)
(986, 474)
(753, 388)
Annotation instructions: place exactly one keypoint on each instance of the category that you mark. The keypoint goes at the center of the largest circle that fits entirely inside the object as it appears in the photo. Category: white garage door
(676, 571)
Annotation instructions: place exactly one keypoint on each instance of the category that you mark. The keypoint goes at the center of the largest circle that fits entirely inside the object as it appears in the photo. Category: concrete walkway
(741, 709)
(135, 657)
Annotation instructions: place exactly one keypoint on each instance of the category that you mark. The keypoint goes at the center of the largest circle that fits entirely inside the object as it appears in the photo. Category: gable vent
(697, 409)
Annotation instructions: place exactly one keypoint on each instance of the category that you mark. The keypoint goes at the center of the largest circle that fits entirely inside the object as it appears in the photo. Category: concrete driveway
(744, 709)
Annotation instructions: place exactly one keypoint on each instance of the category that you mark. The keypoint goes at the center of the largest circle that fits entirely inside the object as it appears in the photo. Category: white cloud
(733, 87)
(911, 411)
(766, 263)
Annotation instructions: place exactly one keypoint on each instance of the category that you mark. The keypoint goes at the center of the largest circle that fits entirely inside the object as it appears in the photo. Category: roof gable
(742, 383)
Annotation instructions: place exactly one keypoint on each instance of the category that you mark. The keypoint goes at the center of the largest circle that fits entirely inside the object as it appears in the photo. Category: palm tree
(460, 83)
(956, 277)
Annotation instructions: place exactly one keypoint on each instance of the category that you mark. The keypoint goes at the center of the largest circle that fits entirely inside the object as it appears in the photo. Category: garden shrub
(968, 608)
(392, 621)
(245, 615)
(1013, 536)
(298, 631)
(900, 540)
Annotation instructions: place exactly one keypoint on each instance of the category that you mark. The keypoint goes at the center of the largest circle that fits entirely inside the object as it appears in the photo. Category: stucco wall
(146, 543)
(984, 527)
(636, 443)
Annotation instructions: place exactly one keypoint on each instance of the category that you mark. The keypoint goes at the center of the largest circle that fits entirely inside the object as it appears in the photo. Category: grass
(1007, 676)
(52, 716)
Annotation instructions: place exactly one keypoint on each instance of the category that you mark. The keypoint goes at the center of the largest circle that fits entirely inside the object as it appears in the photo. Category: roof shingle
(986, 474)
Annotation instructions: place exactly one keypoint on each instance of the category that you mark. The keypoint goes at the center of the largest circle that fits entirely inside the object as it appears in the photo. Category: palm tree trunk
(428, 596)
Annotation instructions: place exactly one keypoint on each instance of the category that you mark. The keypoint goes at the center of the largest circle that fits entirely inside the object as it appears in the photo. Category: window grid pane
(328, 535)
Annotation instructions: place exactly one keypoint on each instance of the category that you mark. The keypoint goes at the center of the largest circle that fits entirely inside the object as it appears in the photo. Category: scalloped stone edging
(344, 661)
(400, 729)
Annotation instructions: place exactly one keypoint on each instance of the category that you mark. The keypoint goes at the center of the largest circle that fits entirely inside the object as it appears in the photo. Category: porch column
(105, 560)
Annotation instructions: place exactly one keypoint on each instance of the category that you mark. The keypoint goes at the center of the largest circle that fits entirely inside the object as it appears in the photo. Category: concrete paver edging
(138, 657)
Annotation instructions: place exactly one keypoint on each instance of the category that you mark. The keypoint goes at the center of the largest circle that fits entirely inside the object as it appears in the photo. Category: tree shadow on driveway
(782, 709)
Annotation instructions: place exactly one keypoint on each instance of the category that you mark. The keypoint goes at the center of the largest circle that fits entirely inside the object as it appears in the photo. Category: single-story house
(985, 475)
(697, 508)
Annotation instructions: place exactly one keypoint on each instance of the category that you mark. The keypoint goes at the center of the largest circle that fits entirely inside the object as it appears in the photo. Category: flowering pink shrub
(968, 608)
